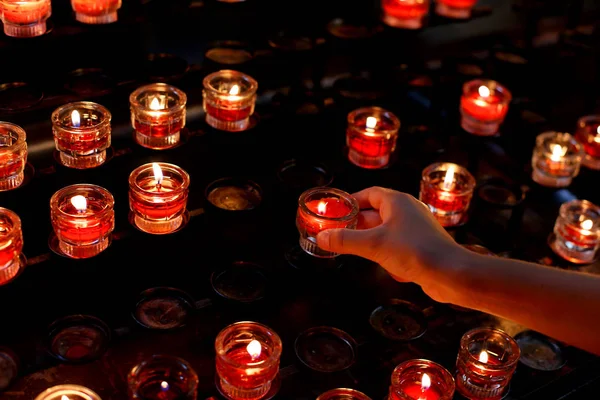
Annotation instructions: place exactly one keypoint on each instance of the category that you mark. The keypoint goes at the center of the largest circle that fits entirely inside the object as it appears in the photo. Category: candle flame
(371, 122)
(64, 397)
(484, 91)
(425, 382)
(598, 130)
(254, 349)
(597, 137)
(155, 104)
(483, 356)
(235, 90)
(321, 207)
(158, 175)
(587, 224)
(448, 179)
(164, 385)
(79, 202)
(75, 118)
(558, 152)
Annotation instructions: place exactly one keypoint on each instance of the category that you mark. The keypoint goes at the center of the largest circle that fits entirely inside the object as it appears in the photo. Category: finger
(363, 243)
(377, 198)
(368, 219)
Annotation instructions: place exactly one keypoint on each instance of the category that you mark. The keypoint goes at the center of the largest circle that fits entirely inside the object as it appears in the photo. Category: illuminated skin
(399, 232)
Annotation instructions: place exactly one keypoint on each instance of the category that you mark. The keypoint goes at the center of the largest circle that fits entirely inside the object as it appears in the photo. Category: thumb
(361, 243)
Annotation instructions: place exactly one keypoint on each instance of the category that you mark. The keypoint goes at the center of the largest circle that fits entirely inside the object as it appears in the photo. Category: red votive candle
(320, 209)
(158, 115)
(83, 218)
(162, 377)
(577, 232)
(11, 245)
(158, 194)
(556, 159)
(228, 100)
(487, 359)
(371, 137)
(588, 134)
(71, 392)
(447, 189)
(13, 156)
(247, 360)
(343, 394)
(96, 11)
(24, 18)
(483, 106)
(406, 14)
(459, 9)
(421, 380)
(82, 133)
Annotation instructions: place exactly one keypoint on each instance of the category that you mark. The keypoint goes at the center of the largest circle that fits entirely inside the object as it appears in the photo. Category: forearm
(562, 304)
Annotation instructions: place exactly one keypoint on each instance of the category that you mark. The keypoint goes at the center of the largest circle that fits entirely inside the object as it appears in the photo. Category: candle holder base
(9, 365)
(478, 127)
(78, 339)
(78, 251)
(473, 392)
(82, 162)
(309, 245)
(158, 143)
(301, 260)
(540, 352)
(450, 219)
(9, 272)
(230, 126)
(163, 308)
(25, 31)
(243, 282)
(552, 181)
(591, 162)
(399, 320)
(97, 19)
(571, 251)
(452, 12)
(11, 182)
(326, 349)
(366, 162)
(403, 23)
(233, 393)
(159, 227)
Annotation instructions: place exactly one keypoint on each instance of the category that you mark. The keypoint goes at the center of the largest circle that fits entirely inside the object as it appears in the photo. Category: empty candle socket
(158, 113)
(228, 100)
(96, 11)
(25, 18)
(588, 134)
(163, 377)
(13, 156)
(11, 245)
(62, 392)
(82, 133)
(483, 106)
(556, 159)
(577, 232)
(457, 9)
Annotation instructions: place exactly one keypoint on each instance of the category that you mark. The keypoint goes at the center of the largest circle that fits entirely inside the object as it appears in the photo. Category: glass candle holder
(458, 9)
(588, 134)
(162, 377)
(11, 245)
(158, 194)
(82, 133)
(158, 115)
(24, 18)
(371, 137)
(228, 100)
(483, 106)
(13, 156)
(404, 14)
(421, 379)
(487, 359)
(71, 392)
(343, 394)
(447, 189)
(96, 11)
(320, 209)
(577, 232)
(247, 360)
(556, 159)
(83, 218)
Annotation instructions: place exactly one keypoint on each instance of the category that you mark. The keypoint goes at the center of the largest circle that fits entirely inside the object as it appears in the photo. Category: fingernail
(323, 239)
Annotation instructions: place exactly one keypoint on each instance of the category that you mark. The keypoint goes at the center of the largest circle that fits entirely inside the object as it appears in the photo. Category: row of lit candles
(409, 14)
(27, 18)
(247, 362)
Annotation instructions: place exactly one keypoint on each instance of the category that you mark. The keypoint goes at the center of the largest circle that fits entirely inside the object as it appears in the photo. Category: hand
(399, 232)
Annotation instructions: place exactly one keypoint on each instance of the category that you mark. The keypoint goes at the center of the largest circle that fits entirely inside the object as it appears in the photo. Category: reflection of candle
(24, 18)
(320, 209)
(483, 106)
(447, 189)
(68, 392)
(96, 11)
(13, 156)
(228, 100)
(371, 137)
(83, 218)
(577, 232)
(556, 159)
(247, 359)
(158, 113)
(82, 133)
(421, 380)
(163, 377)
(158, 195)
(11, 245)
(407, 14)
(588, 134)
(459, 9)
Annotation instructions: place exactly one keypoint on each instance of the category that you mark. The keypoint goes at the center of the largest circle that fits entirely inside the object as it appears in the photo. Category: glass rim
(376, 111)
(163, 357)
(230, 73)
(340, 193)
(586, 119)
(490, 84)
(134, 185)
(21, 136)
(67, 389)
(14, 219)
(443, 166)
(356, 394)
(273, 357)
(88, 105)
(178, 106)
(514, 347)
(583, 204)
(72, 190)
(542, 139)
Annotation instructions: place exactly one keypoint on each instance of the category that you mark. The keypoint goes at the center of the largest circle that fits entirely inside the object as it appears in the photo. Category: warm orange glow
(235, 90)
(254, 349)
(483, 356)
(597, 137)
(75, 118)
(425, 382)
(164, 385)
(79, 202)
(155, 104)
(158, 175)
(321, 207)
(448, 179)
(484, 91)
(587, 224)
(371, 122)
(558, 152)
(63, 397)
